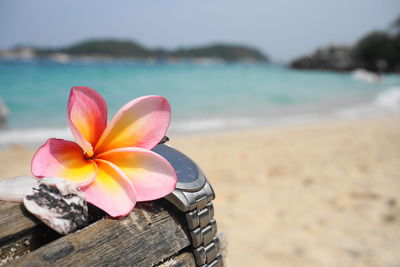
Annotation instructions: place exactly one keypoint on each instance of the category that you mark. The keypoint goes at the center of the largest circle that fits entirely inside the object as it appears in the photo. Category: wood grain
(14, 219)
(185, 259)
(152, 232)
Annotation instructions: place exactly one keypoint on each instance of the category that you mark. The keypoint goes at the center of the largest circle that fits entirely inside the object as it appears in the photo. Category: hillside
(129, 49)
(377, 51)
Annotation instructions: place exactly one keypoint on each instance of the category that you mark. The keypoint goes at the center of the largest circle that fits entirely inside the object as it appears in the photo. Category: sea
(205, 96)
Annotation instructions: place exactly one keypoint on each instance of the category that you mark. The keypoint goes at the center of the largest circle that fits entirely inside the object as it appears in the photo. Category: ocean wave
(32, 136)
(37, 136)
(389, 99)
(366, 76)
(212, 124)
(384, 103)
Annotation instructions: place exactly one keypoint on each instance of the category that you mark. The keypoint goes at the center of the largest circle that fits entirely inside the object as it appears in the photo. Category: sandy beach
(322, 194)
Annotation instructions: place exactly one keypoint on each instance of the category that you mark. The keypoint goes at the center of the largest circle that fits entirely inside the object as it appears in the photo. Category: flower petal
(151, 175)
(142, 122)
(64, 159)
(87, 116)
(111, 191)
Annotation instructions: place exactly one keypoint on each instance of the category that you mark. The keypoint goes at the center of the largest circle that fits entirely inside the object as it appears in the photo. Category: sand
(322, 194)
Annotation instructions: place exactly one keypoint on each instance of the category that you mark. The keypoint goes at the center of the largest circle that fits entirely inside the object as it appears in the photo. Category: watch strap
(203, 228)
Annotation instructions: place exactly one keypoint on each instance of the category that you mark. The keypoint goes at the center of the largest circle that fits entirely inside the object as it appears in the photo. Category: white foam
(366, 76)
(389, 99)
(32, 136)
(387, 102)
(210, 124)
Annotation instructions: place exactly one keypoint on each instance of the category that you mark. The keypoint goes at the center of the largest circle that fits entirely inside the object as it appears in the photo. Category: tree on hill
(396, 26)
(112, 48)
(379, 51)
(128, 49)
(222, 51)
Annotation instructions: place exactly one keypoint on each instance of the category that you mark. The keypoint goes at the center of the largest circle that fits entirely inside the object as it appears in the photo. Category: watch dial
(186, 171)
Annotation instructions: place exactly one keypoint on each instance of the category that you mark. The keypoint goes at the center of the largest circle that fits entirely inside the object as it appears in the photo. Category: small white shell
(59, 203)
(15, 188)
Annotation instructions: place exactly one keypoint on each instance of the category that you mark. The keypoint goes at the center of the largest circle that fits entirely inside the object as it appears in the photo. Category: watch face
(190, 177)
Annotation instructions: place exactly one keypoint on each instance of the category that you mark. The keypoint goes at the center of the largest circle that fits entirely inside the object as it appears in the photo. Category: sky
(282, 29)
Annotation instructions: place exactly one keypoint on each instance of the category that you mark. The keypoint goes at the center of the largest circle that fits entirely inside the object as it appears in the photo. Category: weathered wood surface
(20, 232)
(154, 233)
(185, 259)
(14, 219)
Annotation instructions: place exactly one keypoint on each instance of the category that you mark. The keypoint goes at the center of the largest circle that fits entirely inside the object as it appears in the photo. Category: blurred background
(290, 107)
(221, 64)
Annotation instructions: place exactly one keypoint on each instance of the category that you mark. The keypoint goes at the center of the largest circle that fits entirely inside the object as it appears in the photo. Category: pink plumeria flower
(113, 164)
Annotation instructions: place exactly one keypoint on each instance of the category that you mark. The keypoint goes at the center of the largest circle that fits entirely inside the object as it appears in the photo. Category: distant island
(119, 49)
(377, 51)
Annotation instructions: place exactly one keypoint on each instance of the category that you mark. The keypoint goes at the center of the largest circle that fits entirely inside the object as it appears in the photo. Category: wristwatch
(193, 196)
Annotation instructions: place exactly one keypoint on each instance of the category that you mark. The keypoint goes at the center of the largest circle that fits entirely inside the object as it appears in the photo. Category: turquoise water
(206, 95)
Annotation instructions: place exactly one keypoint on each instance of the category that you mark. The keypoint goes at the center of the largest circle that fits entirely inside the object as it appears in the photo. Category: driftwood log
(154, 234)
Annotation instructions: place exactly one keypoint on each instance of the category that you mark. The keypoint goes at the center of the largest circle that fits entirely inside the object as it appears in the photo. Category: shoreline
(314, 194)
(278, 118)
